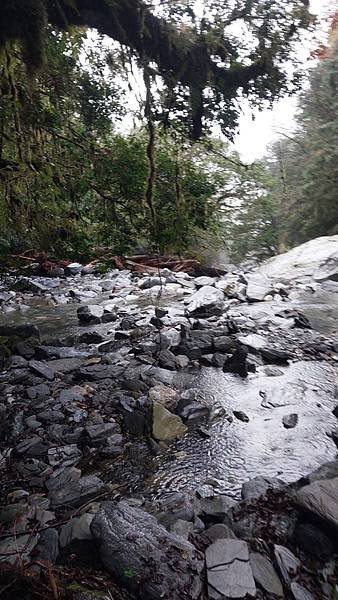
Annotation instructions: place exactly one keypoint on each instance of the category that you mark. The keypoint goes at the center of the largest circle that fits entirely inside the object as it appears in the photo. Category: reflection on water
(237, 451)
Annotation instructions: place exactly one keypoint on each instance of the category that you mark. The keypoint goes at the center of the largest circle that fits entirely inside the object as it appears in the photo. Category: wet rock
(20, 331)
(77, 529)
(223, 343)
(241, 416)
(149, 282)
(66, 365)
(62, 476)
(228, 570)
(127, 537)
(252, 341)
(98, 372)
(166, 426)
(90, 314)
(274, 356)
(313, 541)
(42, 369)
(219, 531)
(190, 349)
(207, 300)
(265, 575)
(258, 287)
(191, 410)
(181, 361)
(167, 360)
(258, 486)
(77, 492)
(290, 421)
(335, 412)
(182, 528)
(334, 435)
(320, 498)
(287, 563)
(237, 363)
(91, 337)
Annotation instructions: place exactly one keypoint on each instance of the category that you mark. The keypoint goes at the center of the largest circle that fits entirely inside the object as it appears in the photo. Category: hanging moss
(25, 21)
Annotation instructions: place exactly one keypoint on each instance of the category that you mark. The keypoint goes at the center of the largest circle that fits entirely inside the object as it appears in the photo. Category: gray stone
(258, 486)
(73, 269)
(164, 395)
(99, 433)
(290, 421)
(252, 341)
(300, 593)
(42, 369)
(258, 287)
(182, 528)
(228, 570)
(90, 314)
(48, 547)
(215, 507)
(17, 549)
(223, 343)
(62, 476)
(204, 280)
(265, 574)
(107, 284)
(50, 416)
(219, 531)
(166, 426)
(182, 361)
(313, 541)
(143, 556)
(64, 455)
(320, 498)
(76, 492)
(287, 563)
(207, 300)
(77, 529)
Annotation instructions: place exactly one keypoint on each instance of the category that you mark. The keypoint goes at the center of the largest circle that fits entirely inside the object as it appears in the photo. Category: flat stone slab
(321, 498)
(265, 575)
(229, 571)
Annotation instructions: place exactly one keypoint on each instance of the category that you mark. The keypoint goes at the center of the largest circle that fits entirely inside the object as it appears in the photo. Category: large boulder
(206, 301)
(258, 287)
(320, 498)
(316, 258)
(141, 554)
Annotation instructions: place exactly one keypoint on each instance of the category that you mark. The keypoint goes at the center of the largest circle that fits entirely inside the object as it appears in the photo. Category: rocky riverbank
(96, 393)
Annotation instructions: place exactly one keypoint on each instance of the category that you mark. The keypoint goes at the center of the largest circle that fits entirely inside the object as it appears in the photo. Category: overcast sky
(255, 136)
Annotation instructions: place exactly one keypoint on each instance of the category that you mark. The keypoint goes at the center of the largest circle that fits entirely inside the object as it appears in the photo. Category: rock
(334, 435)
(306, 260)
(164, 395)
(252, 341)
(290, 421)
(128, 538)
(76, 493)
(313, 541)
(265, 575)
(64, 455)
(76, 529)
(62, 476)
(181, 361)
(99, 433)
(299, 592)
(20, 331)
(17, 549)
(206, 301)
(73, 269)
(258, 486)
(166, 426)
(203, 281)
(228, 570)
(223, 343)
(237, 363)
(50, 416)
(167, 360)
(47, 549)
(241, 416)
(214, 507)
(149, 282)
(335, 412)
(107, 285)
(91, 337)
(258, 287)
(90, 314)
(219, 531)
(274, 356)
(42, 369)
(288, 564)
(320, 498)
(182, 528)
(191, 410)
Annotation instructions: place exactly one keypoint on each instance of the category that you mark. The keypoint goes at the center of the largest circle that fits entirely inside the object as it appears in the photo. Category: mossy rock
(75, 591)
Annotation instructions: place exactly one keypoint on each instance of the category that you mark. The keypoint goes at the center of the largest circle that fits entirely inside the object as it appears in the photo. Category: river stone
(290, 421)
(76, 529)
(252, 341)
(258, 486)
(208, 300)
(219, 531)
(299, 592)
(17, 549)
(42, 369)
(182, 528)
(241, 416)
(216, 507)
(90, 314)
(204, 280)
(48, 546)
(228, 570)
(164, 395)
(76, 492)
(166, 426)
(312, 540)
(288, 564)
(265, 575)
(320, 498)
(64, 455)
(258, 287)
(147, 559)
(100, 432)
